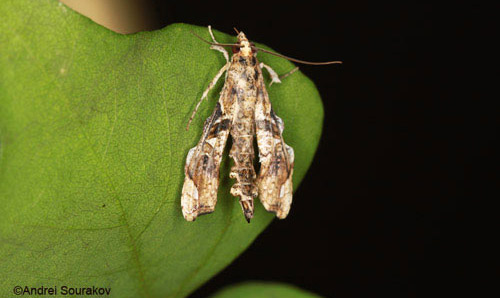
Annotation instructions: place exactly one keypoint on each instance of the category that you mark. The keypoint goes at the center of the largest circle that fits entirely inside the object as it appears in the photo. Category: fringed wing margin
(276, 158)
(199, 193)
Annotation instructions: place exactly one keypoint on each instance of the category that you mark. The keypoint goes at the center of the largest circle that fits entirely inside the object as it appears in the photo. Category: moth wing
(276, 158)
(199, 193)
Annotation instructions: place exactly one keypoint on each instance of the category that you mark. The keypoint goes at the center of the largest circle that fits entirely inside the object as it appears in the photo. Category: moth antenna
(213, 43)
(237, 32)
(297, 60)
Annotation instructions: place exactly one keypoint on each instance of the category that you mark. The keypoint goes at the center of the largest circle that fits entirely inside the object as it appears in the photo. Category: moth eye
(252, 46)
(235, 49)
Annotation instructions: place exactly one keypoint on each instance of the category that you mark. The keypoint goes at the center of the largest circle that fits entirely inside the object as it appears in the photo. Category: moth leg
(274, 76)
(218, 48)
(288, 73)
(205, 93)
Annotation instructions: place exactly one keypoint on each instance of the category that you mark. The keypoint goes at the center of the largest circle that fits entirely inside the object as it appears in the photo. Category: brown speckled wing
(276, 158)
(199, 193)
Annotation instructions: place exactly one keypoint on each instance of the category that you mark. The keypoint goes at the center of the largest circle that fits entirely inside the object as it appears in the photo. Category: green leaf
(92, 151)
(263, 289)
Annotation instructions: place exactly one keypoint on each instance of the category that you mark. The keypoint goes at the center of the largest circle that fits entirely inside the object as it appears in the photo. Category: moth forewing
(199, 193)
(275, 156)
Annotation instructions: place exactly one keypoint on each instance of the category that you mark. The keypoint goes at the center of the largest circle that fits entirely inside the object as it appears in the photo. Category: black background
(378, 212)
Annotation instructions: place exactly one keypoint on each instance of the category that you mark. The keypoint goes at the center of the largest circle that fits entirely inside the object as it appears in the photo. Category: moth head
(245, 47)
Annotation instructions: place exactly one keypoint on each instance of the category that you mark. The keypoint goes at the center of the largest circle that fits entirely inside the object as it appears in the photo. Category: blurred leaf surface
(263, 289)
(92, 150)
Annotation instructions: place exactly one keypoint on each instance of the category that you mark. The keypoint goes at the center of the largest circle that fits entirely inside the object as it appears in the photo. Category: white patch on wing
(212, 142)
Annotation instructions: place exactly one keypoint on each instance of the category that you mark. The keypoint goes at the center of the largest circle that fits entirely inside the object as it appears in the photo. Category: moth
(243, 111)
